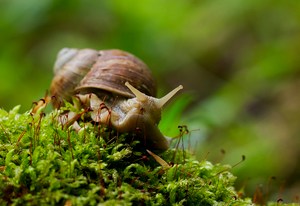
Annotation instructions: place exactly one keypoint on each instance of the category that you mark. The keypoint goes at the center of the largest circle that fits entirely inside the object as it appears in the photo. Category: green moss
(43, 162)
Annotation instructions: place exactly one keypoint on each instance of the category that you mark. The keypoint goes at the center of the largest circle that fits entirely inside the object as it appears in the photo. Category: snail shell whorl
(104, 71)
(115, 67)
(70, 67)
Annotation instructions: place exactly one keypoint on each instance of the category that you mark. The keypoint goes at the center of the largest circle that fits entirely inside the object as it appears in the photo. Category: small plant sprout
(41, 104)
(159, 160)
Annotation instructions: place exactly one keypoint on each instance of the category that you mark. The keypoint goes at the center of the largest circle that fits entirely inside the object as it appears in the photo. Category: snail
(118, 88)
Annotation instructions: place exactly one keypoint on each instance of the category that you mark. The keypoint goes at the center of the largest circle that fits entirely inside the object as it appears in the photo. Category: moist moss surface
(43, 162)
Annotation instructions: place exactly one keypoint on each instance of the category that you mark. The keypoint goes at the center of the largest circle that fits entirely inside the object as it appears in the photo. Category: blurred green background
(238, 61)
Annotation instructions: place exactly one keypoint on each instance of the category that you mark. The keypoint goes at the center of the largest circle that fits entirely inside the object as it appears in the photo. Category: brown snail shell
(115, 67)
(101, 72)
(95, 75)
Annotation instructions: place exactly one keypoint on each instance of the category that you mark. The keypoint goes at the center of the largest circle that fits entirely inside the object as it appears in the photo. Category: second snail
(117, 87)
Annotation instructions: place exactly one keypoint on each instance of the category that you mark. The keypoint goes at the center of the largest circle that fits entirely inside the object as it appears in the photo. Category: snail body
(117, 86)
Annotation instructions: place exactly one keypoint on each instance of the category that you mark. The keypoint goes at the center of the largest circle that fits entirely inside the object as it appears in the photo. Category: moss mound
(45, 163)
